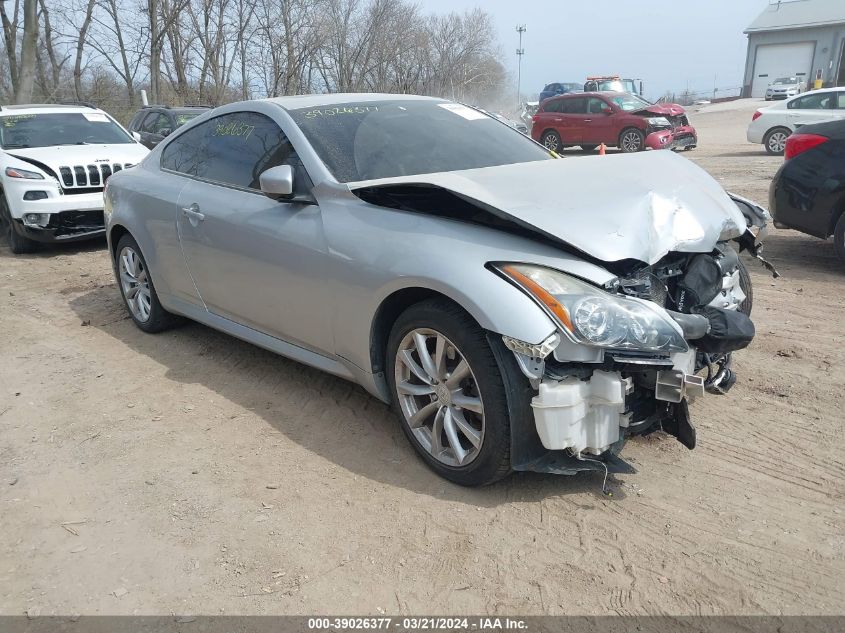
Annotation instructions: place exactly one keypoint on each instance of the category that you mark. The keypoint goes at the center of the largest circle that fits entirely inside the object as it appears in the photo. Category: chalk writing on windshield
(339, 111)
(9, 121)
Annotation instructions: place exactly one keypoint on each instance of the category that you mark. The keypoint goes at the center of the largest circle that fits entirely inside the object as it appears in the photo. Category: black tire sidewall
(839, 238)
(552, 133)
(493, 460)
(19, 245)
(159, 319)
(622, 136)
(745, 284)
(768, 137)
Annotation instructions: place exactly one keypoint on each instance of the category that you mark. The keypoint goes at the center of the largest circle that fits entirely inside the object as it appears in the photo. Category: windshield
(786, 80)
(384, 139)
(48, 130)
(629, 103)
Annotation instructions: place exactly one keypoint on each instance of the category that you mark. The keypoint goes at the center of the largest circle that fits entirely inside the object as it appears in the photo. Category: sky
(669, 45)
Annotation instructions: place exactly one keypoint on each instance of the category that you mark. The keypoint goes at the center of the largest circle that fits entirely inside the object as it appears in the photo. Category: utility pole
(519, 53)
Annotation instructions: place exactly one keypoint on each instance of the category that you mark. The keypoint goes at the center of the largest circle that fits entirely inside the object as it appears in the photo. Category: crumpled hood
(663, 109)
(622, 206)
(70, 155)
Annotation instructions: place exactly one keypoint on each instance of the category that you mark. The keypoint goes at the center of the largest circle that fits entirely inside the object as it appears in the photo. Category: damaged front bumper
(65, 226)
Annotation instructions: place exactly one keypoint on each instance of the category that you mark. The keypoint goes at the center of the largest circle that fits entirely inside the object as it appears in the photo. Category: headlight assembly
(14, 172)
(659, 121)
(591, 316)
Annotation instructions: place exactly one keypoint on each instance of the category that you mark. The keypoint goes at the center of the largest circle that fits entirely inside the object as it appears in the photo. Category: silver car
(520, 312)
(783, 88)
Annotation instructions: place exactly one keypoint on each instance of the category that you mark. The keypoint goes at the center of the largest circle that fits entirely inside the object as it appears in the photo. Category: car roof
(595, 93)
(46, 108)
(310, 101)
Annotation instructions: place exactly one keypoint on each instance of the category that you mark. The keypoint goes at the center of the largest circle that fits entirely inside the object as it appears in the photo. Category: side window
(840, 101)
(597, 106)
(552, 106)
(574, 106)
(818, 101)
(233, 149)
(154, 123)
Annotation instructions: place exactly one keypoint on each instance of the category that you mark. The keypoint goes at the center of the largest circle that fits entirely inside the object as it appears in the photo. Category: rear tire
(839, 238)
(476, 405)
(20, 245)
(775, 141)
(137, 289)
(551, 141)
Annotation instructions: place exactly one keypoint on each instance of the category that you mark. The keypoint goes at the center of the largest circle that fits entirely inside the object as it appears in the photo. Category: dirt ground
(189, 472)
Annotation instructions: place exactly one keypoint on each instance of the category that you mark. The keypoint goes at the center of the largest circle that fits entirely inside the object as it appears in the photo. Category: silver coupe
(519, 311)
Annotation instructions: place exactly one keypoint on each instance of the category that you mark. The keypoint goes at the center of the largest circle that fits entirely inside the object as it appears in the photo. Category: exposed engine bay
(586, 405)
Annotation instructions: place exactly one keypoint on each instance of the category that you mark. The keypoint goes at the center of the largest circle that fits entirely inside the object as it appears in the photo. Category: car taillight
(756, 115)
(800, 143)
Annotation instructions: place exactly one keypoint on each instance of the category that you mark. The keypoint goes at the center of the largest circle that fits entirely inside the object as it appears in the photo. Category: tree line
(216, 51)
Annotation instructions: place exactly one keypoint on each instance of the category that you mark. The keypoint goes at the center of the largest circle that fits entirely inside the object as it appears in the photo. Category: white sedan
(772, 125)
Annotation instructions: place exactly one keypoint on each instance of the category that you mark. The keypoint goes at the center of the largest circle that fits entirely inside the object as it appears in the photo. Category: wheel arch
(505, 310)
(838, 212)
(115, 233)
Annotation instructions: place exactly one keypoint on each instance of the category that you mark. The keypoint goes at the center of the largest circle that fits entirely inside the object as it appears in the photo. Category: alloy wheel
(631, 141)
(777, 142)
(439, 397)
(550, 142)
(135, 283)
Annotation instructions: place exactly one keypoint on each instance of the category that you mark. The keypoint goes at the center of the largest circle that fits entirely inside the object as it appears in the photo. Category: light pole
(519, 53)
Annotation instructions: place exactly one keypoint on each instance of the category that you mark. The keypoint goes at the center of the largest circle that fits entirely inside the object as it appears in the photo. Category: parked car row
(417, 246)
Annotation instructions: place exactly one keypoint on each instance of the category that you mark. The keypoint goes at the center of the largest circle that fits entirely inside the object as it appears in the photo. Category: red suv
(613, 118)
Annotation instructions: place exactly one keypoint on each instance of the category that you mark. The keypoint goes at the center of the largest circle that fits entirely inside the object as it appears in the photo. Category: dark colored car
(614, 118)
(808, 191)
(559, 88)
(151, 124)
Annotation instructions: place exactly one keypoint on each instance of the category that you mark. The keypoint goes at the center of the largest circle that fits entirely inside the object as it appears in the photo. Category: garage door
(782, 60)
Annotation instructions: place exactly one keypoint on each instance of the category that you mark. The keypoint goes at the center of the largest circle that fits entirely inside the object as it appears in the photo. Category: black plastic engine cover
(730, 330)
(700, 284)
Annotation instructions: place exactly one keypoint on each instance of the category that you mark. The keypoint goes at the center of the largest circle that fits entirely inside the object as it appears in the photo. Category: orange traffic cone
(602, 149)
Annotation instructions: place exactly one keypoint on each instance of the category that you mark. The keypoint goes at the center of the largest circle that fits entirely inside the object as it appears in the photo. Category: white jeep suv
(54, 161)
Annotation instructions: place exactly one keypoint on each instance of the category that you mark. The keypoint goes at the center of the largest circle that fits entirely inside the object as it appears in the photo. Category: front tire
(775, 141)
(448, 391)
(20, 245)
(632, 140)
(746, 287)
(137, 289)
(839, 238)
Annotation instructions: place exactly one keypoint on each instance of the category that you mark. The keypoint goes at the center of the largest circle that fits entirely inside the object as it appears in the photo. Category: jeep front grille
(86, 176)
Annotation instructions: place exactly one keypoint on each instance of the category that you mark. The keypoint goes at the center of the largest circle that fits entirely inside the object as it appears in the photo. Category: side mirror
(136, 136)
(165, 131)
(277, 182)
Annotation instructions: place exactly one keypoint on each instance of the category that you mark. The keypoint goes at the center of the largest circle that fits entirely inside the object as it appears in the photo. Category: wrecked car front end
(631, 349)
(668, 127)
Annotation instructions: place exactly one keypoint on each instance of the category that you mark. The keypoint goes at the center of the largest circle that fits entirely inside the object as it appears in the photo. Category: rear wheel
(136, 286)
(631, 140)
(775, 140)
(20, 245)
(551, 140)
(448, 390)
(839, 237)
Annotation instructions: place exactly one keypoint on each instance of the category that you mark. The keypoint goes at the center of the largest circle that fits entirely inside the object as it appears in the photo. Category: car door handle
(588, 120)
(193, 213)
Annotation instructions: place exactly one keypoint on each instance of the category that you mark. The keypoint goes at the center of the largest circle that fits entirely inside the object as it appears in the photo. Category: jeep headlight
(591, 316)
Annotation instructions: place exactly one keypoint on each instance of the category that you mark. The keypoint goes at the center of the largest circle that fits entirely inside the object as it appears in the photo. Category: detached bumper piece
(67, 226)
